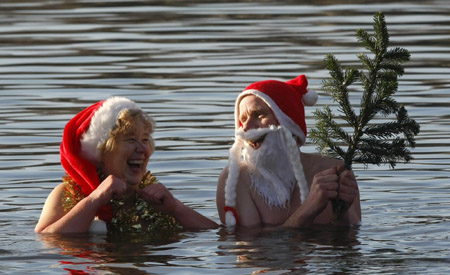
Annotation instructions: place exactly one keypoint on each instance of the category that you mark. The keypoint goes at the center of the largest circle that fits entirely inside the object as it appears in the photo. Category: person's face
(254, 114)
(129, 159)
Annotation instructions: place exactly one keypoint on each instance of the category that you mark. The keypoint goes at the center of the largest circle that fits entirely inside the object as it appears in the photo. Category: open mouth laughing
(256, 143)
(255, 137)
(136, 164)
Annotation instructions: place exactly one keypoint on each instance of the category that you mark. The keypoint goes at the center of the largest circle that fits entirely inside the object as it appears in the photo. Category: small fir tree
(366, 143)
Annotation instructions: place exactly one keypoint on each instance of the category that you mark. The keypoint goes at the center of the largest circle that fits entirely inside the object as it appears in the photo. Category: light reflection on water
(184, 62)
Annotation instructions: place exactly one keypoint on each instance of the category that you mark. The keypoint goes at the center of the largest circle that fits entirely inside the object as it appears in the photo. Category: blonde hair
(126, 123)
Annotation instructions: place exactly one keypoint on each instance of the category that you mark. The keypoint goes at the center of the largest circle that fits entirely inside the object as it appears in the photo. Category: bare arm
(55, 220)
(323, 188)
(161, 199)
(190, 218)
(220, 194)
(317, 207)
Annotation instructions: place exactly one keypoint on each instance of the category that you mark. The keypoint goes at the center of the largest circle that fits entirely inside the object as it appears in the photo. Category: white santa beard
(269, 166)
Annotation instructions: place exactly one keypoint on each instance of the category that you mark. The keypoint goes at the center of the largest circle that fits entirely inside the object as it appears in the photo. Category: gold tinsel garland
(126, 218)
(72, 193)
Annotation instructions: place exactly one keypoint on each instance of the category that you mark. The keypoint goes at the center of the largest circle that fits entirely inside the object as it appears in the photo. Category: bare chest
(276, 215)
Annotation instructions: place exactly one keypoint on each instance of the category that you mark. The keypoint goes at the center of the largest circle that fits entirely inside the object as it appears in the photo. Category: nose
(249, 124)
(140, 146)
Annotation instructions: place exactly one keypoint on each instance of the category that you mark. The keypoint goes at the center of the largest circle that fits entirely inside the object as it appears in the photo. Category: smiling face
(126, 153)
(253, 114)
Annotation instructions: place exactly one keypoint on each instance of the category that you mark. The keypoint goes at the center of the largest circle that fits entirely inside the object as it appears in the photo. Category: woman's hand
(111, 187)
(159, 197)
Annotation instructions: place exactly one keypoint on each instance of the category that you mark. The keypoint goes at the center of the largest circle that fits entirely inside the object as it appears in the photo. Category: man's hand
(323, 188)
(348, 188)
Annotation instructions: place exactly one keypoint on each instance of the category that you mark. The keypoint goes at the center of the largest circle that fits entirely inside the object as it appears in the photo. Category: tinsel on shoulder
(72, 193)
(137, 217)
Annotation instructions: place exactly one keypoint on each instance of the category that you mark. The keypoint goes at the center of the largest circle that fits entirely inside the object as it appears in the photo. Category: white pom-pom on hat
(310, 98)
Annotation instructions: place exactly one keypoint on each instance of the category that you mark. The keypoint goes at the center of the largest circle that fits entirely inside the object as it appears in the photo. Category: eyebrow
(260, 109)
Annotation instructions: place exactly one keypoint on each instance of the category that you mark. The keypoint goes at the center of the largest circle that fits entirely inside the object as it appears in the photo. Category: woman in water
(105, 151)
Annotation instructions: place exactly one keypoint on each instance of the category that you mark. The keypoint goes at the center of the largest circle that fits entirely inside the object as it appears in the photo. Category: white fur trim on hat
(101, 124)
(282, 118)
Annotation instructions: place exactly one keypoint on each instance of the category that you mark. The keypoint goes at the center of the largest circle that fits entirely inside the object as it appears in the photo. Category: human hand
(323, 188)
(348, 188)
(111, 187)
(159, 197)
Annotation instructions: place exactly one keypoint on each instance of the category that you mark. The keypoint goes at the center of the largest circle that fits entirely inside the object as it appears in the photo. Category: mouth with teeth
(136, 164)
(256, 143)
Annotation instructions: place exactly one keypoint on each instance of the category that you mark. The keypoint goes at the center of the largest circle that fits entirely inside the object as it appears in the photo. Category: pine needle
(367, 143)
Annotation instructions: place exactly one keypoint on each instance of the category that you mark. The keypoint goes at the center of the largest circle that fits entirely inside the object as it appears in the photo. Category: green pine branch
(367, 143)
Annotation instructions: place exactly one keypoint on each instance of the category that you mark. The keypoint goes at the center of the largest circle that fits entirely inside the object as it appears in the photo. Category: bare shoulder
(242, 187)
(52, 209)
(318, 163)
(243, 177)
(57, 192)
(220, 194)
(54, 200)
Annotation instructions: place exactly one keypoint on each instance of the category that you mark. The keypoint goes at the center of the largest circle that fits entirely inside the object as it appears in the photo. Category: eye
(130, 140)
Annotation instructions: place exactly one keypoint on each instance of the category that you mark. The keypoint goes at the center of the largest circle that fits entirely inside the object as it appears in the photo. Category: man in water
(268, 180)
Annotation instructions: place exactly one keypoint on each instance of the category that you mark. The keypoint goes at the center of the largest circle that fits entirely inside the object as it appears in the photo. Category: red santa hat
(81, 138)
(285, 99)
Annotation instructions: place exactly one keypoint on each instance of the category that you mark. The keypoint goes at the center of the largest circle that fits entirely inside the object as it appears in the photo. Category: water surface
(184, 62)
